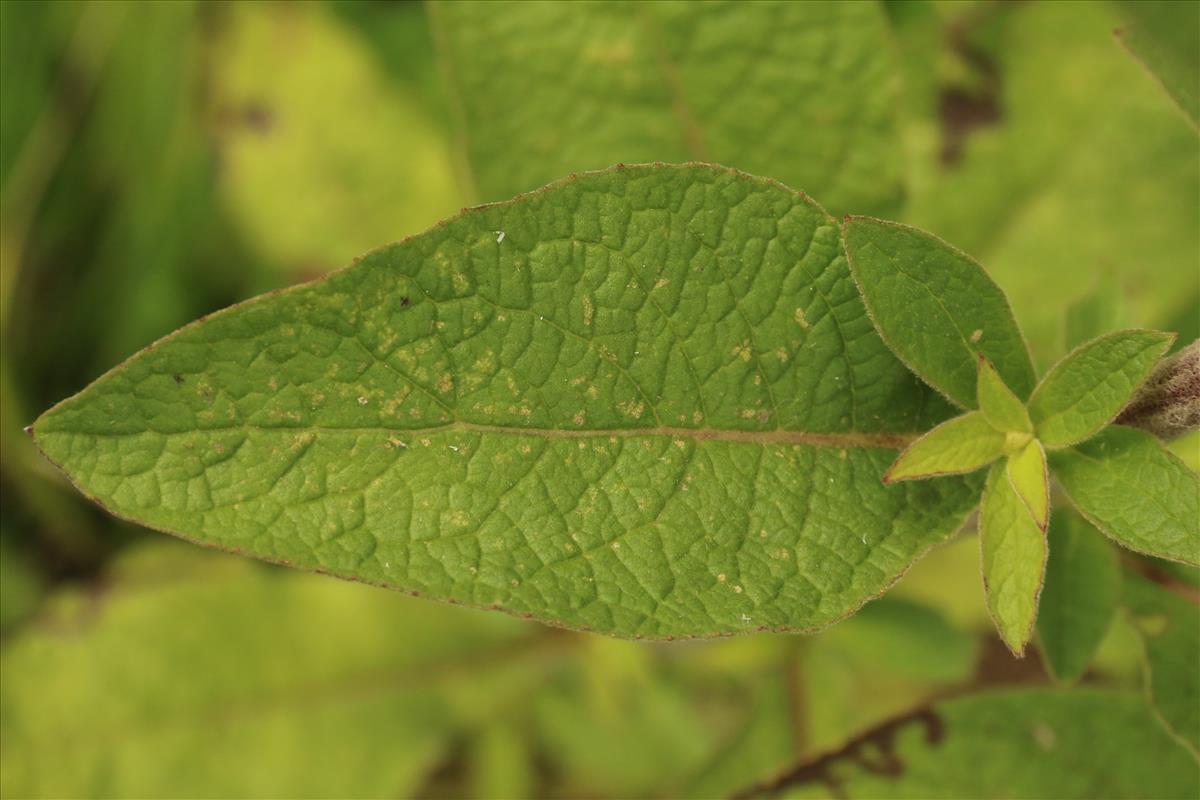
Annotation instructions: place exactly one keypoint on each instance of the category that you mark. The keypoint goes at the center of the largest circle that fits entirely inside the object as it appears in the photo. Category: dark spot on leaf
(405, 302)
(258, 117)
(963, 109)
(178, 378)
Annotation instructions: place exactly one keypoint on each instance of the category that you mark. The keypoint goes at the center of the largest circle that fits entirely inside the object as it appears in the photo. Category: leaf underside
(645, 401)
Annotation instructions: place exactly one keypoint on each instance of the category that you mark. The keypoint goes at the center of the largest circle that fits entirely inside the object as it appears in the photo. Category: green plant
(656, 401)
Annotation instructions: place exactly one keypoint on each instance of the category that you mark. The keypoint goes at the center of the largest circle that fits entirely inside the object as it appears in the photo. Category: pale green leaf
(1083, 585)
(1137, 493)
(1164, 35)
(1003, 409)
(314, 176)
(1088, 388)
(936, 308)
(1031, 480)
(1169, 624)
(1018, 743)
(1013, 551)
(959, 445)
(646, 401)
(544, 89)
(204, 676)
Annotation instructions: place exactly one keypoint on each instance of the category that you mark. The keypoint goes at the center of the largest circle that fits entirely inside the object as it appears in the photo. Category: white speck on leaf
(976, 335)
(499, 237)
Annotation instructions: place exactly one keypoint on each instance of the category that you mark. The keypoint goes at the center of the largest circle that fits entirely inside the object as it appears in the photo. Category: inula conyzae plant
(676, 399)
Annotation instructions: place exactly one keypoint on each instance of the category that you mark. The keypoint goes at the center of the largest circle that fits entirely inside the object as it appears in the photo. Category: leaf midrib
(891, 441)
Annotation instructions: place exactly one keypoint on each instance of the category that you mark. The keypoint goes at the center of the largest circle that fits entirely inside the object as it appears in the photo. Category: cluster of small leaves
(942, 315)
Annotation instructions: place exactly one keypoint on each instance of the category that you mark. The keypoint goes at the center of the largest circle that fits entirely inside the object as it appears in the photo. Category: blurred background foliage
(159, 161)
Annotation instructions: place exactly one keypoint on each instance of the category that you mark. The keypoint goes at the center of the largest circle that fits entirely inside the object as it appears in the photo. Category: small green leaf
(1031, 481)
(611, 405)
(1136, 492)
(1161, 34)
(960, 445)
(1088, 388)
(1003, 409)
(1169, 625)
(1083, 585)
(936, 308)
(1013, 550)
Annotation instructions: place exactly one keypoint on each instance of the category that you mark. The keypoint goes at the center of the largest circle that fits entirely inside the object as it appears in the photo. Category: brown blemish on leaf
(963, 109)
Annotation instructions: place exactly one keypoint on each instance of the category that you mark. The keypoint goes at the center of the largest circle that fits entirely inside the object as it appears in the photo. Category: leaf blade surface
(936, 307)
(959, 445)
(1088, 388)
(1003, 409)
(1083, 586)
(1138, 494)
(1013, 555)
(610, 417)
(1169, 625)
(1030, 479)
(546, 89)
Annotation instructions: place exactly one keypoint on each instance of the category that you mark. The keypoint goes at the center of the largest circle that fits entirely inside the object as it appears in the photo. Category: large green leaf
(1136, 492)
(1083, 585)
(1169, 625)
(1013, 556)
(1085, 390)
(803, 92)
(936, 308)
(645, 401)
(1027, 743)
(1162, 35)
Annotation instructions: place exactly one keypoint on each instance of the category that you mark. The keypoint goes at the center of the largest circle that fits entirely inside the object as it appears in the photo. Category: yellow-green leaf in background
(323, 154)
